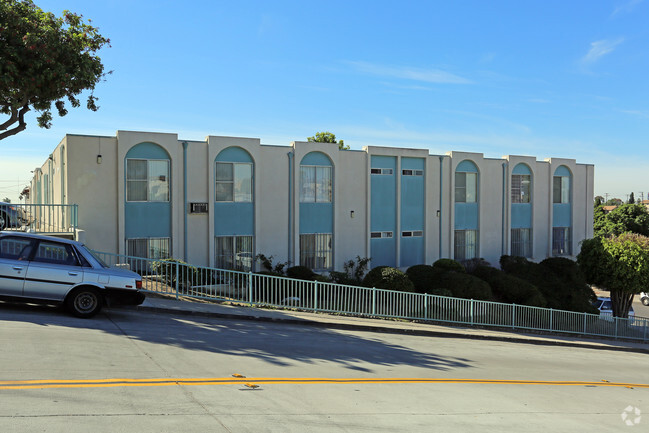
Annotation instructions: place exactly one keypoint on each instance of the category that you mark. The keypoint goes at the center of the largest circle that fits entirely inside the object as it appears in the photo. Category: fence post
(586, 317)
(177, 265)
(471, 311)
(250, 287)
(315, 296)
(551, 327)
(513, 316)
(426, 296)
(616, 327)
(373, 301)
(644, 337)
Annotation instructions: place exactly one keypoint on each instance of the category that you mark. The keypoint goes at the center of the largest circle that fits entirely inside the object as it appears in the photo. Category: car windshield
(89, 251)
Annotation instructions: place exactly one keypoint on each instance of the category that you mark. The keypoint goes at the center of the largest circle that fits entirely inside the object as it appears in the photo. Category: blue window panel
(383, 252)
(467, 166)
(521, 215)
(147, 220)
(412, 164)
(316, 158)
(232, 218)
(561, 215)
(384, 195)
(522, 168)
(562, 170)
(412, 202)
(316, 218)
(412, 251)
(234, 154)
(466, 216)
(147, 150)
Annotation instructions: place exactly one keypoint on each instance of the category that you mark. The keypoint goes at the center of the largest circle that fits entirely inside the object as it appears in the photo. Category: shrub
(353, 274)
(300, 273)
(385, 277)
(186, 276)
(270, 269)
(464, 286)
(422, 277)
(471, 264)
(510, 289)
(441, 292)
(445, 265)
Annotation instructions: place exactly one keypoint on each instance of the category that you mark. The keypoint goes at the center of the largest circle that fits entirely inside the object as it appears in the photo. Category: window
(233, 182)
(561, 244)
(561, 189)
(384, 171)
(234, 252)
(412, 234)
(147, 180)
(315, 184)
(54, 252)
(376, 235)
(15, 248)
(315, 251)
(466, 187)
(149, 248)
(412, 172)
(521, 188)
(466, 244)
(522, 242)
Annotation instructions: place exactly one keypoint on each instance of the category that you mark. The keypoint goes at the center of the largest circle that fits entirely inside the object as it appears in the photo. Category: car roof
(40, 237)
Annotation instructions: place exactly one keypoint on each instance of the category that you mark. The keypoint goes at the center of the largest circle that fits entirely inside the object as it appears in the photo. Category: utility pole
(641, 196)
(605, 197)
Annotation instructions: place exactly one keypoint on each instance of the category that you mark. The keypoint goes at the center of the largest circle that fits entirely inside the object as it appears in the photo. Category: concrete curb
(386, 330)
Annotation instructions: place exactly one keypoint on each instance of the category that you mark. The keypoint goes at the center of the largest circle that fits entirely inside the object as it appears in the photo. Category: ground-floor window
(234, 252)
(466, 244)
(522, 242)
(561, 244)
(315, 251)
(149, 248)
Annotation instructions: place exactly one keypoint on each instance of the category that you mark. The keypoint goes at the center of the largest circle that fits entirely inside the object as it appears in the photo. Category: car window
(54, 252)
(15, 248)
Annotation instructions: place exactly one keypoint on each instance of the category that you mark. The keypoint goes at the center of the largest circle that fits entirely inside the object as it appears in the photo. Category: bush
(300, 273)
(446, 265)
(441, 292)
(385, 277)
(422, 277)
(472, 264)
(354, 271)
(166, 269)
(557, 279)
(510, 289)
(464, 286)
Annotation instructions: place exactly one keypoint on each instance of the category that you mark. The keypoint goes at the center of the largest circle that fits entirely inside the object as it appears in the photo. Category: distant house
(608, 209)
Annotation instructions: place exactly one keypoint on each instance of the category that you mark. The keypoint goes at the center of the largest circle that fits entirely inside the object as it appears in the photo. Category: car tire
(645, 301)
(3, 221)
(84, 302)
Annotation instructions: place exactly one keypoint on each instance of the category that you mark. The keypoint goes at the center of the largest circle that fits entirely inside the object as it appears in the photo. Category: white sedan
(35, 268)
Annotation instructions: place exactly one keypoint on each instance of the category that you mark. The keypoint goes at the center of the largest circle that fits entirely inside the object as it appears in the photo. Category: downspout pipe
(441, 194)
(290, 206)
(504, 222)
(185, 200)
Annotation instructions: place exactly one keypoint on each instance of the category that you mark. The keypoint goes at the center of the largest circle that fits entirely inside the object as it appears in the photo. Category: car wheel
(84, 302)
(3, 221)
(645, 301)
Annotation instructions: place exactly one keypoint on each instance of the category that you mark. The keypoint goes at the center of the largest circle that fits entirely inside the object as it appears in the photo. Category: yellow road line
(106, 383)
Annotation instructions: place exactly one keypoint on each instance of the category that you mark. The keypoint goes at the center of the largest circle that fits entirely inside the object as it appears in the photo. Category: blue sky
(543, 78)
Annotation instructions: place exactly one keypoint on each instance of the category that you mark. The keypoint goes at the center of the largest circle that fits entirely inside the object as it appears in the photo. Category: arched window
(466, 211)
(147, 174)
(521, 211)
(316, 211)
(233, 175)
(561, 212)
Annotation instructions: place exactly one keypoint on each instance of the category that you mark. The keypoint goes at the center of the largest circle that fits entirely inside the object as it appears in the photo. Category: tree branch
(16, 116)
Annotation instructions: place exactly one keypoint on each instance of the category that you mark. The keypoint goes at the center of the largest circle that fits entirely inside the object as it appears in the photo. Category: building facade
(221, 201)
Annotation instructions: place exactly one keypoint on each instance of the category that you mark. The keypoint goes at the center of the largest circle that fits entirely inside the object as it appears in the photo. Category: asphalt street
(137, 371)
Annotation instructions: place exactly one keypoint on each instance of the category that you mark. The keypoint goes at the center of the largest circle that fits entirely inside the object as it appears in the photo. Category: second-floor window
(521, 188)
(466, 186)
(561, 189)
(315, 184)
(233, 181)
(147, 180)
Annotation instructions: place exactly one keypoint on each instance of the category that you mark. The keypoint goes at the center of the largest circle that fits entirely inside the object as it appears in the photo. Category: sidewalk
(160, 304)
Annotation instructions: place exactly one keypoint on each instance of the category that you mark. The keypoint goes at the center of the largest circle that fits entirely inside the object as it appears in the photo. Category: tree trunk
(621, 303)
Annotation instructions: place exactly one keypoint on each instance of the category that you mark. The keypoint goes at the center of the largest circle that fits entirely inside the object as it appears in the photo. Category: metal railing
(41, 218)
(179, 279)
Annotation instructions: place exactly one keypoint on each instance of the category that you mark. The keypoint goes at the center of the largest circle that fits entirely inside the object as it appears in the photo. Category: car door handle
(74, 274)
(17, 268)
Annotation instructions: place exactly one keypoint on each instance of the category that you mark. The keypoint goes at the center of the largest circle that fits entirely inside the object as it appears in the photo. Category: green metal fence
(179, 279)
